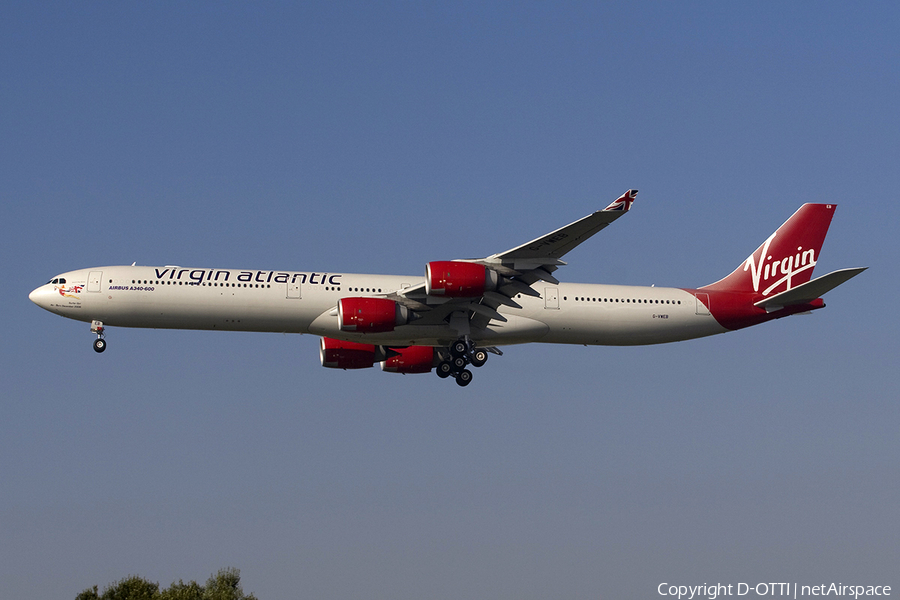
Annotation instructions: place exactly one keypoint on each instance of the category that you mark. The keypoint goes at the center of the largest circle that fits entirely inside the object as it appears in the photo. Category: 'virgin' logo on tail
(787, 268)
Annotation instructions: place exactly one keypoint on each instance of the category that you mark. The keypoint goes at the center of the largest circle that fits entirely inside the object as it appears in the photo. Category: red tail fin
(786, 259)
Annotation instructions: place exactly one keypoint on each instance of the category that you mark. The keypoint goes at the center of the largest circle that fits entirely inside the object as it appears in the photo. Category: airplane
(462, 310)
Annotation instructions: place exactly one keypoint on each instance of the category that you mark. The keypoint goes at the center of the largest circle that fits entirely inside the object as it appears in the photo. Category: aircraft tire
(464, 378)
(458, 348)
(99, 345)
(479, 357)
(444, 369)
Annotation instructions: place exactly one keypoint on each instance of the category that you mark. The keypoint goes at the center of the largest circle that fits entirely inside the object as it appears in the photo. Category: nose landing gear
(99, 343)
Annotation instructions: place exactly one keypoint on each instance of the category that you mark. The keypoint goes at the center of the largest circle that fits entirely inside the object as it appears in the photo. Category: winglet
(623, 202)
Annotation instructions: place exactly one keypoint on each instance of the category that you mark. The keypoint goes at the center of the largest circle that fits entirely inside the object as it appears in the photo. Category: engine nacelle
(458, 279)
(370, 315)
(337, 354)
(415, 359)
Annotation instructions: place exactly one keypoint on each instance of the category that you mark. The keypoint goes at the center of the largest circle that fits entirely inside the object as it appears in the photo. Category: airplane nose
(40, 296)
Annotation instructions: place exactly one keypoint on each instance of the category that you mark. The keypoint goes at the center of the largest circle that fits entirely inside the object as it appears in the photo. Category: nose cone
(41, 296)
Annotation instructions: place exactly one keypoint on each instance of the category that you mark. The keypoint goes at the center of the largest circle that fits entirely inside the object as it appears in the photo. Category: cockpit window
(58, 280)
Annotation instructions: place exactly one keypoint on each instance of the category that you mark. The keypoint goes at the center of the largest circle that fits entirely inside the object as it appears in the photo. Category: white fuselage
(305, 302)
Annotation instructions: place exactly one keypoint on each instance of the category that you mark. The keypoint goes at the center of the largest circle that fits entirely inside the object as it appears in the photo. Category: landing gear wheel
(444, 369)
(459, 348)
(479, 357)
(464, 378)
(99, 345)
(459, 363)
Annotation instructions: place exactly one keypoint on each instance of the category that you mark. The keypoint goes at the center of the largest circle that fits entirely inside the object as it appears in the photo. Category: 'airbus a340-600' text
(462, 310)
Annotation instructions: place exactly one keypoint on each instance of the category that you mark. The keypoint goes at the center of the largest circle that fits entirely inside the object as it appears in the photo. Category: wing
(548, 249)
(516, 270)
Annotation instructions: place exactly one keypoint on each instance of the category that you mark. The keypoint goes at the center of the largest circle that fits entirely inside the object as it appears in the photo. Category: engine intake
(458, 279)
(370, 315)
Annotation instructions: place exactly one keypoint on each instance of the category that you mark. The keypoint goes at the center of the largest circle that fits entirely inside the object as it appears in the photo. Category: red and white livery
(462, 310)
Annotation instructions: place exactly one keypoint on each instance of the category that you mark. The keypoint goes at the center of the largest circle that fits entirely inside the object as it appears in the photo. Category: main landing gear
(99, 343)
(462, 353)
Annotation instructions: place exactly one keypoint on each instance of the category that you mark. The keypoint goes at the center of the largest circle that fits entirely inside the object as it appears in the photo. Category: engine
(370, 315)
(458, 279)
(415, 359)
(336, 354)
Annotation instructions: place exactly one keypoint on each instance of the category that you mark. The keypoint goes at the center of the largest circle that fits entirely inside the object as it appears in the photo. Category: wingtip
(623, 202)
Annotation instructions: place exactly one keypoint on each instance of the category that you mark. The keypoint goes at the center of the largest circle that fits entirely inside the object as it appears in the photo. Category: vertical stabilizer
(786, 259)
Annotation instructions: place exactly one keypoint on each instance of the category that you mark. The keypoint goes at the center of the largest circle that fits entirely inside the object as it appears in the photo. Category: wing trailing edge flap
(809, 291)
(486, 311)
(501, 299)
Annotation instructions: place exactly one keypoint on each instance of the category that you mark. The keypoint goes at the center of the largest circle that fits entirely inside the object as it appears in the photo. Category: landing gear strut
(462, 353)
(99, 343)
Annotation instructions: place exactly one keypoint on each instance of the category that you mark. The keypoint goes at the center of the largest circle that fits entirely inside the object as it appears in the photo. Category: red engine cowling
(415, 359)
(370, 315)
(458, 279)
(337, 354)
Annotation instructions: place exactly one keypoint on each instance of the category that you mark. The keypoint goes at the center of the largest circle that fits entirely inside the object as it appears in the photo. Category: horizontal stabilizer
(809, 291)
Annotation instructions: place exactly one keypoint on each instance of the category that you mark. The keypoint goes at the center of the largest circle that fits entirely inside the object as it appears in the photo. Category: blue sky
(363, 137)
